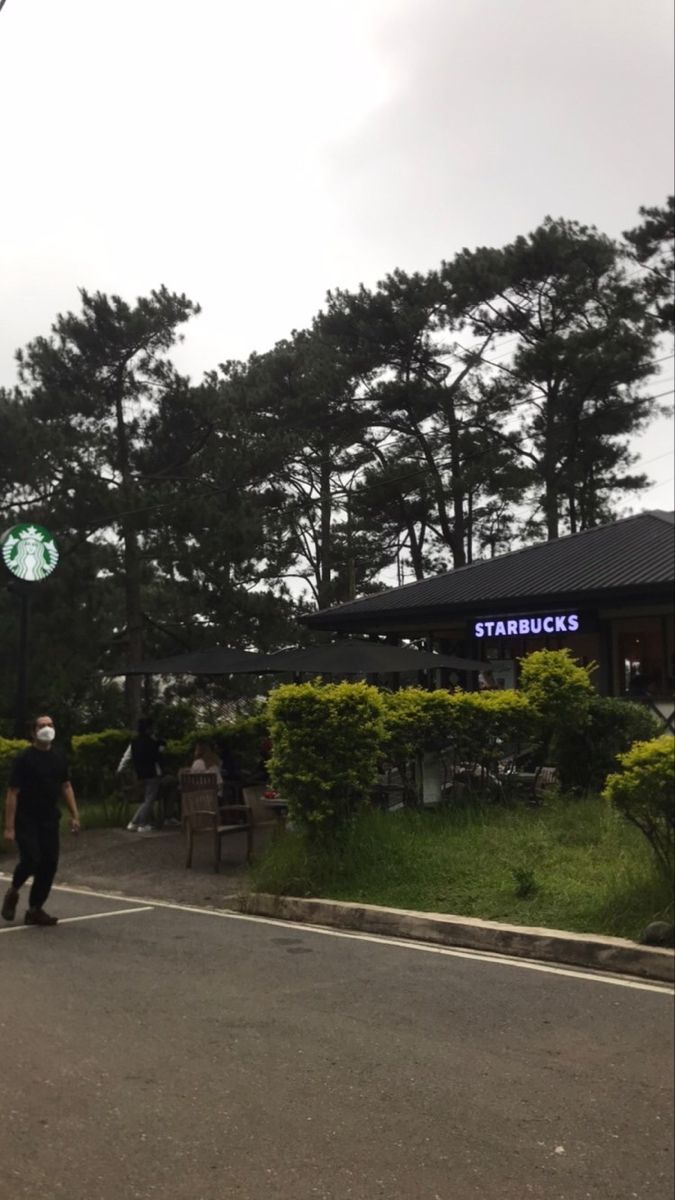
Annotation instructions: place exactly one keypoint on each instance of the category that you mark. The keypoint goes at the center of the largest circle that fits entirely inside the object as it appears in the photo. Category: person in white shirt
(206, 761)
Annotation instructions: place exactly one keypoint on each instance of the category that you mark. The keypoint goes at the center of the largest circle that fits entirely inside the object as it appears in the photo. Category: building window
(641, 655)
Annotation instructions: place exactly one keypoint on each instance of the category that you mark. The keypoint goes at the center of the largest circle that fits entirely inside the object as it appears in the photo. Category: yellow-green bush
(472, 728)
(487, 724)
(644, 793)
(557, 688)
(9, 748)
(326, 742)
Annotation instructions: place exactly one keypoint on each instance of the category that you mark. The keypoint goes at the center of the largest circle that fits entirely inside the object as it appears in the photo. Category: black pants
(37, 839)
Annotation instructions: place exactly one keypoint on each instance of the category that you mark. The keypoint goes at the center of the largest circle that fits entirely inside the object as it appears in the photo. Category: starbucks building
(606, 594)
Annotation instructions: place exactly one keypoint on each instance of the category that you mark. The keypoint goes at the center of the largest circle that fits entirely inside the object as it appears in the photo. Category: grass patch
(573, 864)
(97, 816)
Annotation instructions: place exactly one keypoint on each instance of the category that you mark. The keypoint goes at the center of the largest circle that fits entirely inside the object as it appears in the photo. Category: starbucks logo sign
(29, 552)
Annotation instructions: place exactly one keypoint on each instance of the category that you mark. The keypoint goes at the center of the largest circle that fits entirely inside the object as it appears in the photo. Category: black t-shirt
(39, 776)
(146, 755)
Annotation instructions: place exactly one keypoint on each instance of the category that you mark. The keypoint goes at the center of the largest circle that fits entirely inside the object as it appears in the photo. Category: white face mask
(46, 734)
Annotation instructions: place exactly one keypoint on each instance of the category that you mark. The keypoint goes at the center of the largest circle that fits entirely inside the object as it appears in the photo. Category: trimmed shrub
(587, 754)
(416, 722)
(472, 729)
(557, 688)
(9, 748)
(326, 743)
(644, 793)
(559, 692)
(485, 725)
(94, 761)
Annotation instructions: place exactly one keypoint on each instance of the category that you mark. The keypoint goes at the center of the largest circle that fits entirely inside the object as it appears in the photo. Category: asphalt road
(174, 1054)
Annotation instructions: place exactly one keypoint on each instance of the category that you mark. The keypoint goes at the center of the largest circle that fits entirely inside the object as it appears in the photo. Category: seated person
(206, 761)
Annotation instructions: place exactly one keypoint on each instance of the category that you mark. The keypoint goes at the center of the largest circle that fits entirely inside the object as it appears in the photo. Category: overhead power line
(658, 485)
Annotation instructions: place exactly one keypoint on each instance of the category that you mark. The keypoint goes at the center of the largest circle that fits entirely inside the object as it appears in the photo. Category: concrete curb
(518, 941)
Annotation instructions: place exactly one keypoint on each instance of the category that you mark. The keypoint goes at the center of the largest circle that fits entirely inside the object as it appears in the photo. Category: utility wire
(647, 461)
(658, 485)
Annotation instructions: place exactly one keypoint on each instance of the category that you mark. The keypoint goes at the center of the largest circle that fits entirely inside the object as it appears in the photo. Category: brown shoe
(38, 916)
(9, 904)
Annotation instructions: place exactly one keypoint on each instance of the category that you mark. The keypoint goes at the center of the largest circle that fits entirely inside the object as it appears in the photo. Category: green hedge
(471, 728)
(9, 748)
(95, 756)
(586, 754)
(94, 761)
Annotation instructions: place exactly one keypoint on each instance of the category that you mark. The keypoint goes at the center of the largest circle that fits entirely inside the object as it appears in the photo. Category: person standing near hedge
(39, 779)
(145, 755)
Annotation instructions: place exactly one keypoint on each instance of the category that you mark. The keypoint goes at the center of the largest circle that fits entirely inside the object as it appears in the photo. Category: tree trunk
(450, 536)
(551, 475)
(551, 503)
(469, 527)
(414, 542)
(133, 684)
(325, 553)
(459, 531)
(572, 510)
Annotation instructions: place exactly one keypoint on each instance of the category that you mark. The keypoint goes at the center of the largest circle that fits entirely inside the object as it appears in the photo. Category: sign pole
(30, 554)
(22, 679)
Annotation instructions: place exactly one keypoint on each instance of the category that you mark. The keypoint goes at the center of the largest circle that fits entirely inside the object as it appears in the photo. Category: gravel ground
(150, 865)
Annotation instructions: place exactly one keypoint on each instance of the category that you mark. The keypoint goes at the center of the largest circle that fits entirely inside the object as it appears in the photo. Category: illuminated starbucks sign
(533, 626)
(29, 552)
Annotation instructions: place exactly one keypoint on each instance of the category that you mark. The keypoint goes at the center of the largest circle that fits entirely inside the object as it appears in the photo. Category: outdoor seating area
(436, 779)
(203, 814)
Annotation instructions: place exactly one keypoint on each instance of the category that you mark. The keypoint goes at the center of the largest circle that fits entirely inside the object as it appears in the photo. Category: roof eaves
(326, 618)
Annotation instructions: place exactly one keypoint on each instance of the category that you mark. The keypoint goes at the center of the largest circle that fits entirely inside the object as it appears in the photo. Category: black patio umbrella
(360, 657)
(354, 657)
(218, 660)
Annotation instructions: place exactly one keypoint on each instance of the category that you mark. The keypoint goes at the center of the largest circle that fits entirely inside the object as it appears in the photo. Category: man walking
(145, 754)
(39, 779)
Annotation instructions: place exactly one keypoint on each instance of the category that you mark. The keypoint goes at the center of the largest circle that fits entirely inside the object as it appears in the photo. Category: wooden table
(279, 807)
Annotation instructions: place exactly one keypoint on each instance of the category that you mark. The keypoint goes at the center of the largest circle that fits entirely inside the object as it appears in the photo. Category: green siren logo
(29, 552)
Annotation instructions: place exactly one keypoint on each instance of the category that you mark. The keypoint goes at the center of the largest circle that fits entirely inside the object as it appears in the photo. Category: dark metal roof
(635, 555)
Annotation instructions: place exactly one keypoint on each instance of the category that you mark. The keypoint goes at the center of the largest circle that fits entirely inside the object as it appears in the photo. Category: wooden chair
(545, 780)
(201, 814)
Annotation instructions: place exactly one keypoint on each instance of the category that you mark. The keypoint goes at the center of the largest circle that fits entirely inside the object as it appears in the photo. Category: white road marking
(398, 943)
(119, 912)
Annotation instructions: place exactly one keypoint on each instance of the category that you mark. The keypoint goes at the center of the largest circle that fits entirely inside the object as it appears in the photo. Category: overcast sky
(254, 153)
